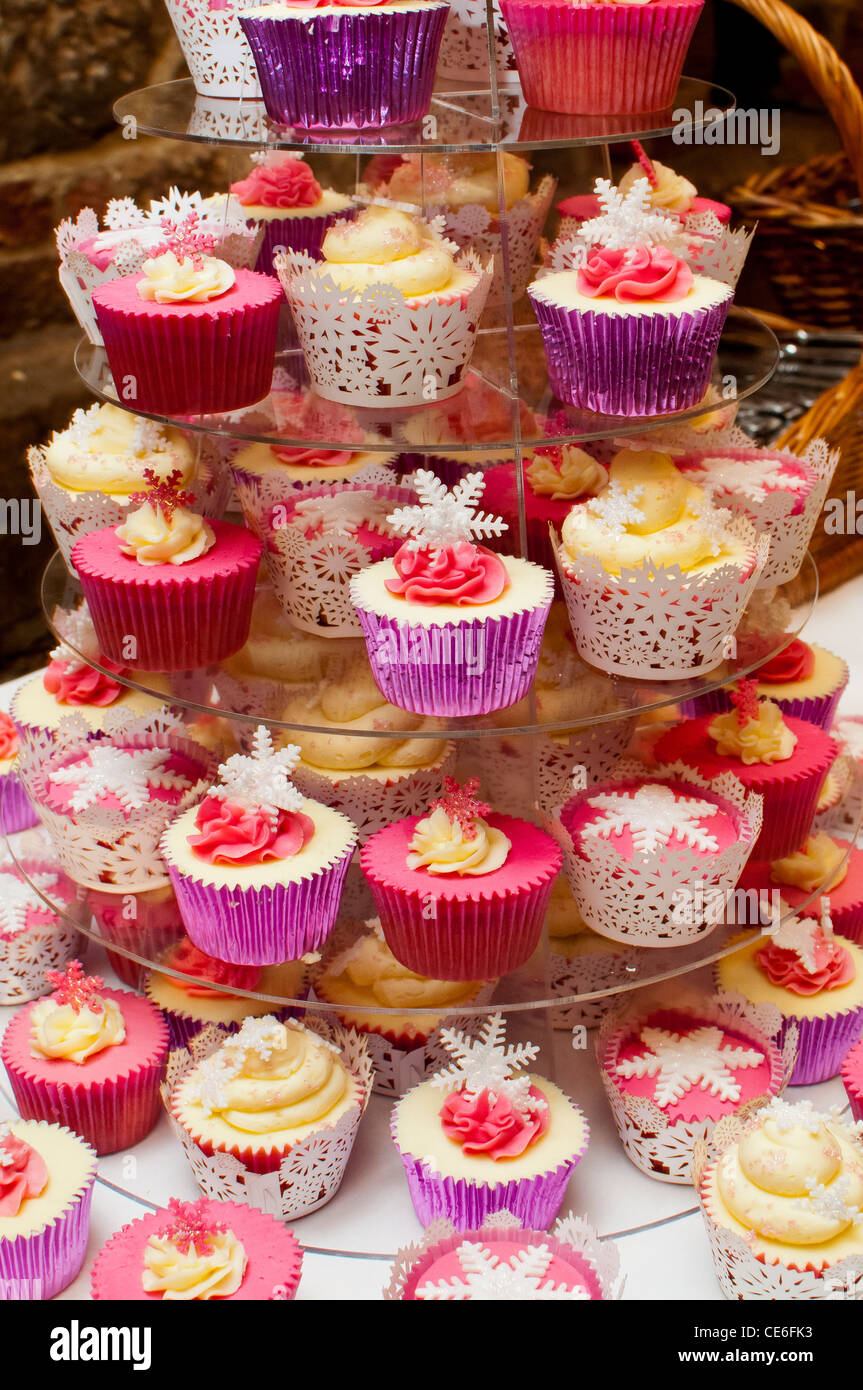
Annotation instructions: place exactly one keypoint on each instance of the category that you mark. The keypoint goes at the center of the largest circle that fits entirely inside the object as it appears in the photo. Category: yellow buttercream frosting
(113, 456)
(766, 739)
(671, 193)
(185, 1275)
(156, 539)
(576, 475)
(442, 846)
(57, 1030)
(821, 863)
(169, 281)
(457, 181)
(386, 247)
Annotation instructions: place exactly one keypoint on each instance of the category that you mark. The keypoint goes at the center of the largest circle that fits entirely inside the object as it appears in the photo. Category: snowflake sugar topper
(850, 734)
(190, 1228)
(653, 814)
(615, 507)
(186, 240)
(443, 516)
(343, 513)
(76, 989)
(6, 1159)
(17, 897)
(122, 213)
(83, 424)
(745, 700)
(713, 521)
(754, 478)
(831, 1201)
(261, 780)
(163, 494)
(262, 1035)
(681, 1062)
(492, 1278)
(628, 219)
(460, 805)
(78, 637)
(126, 773)
(148, 436)
(803, 935)
(486, 1063)
(800, 1114)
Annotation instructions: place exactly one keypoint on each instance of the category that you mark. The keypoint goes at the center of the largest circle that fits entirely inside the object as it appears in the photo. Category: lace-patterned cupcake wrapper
(370, 803)
(25, 957)
(297, 234)
(567, 977)
(40, 1264)
(215, 48)
(258, 695)
(600, 59)
(815, 709)
(17, 811)
(261, 926)
(534, 1201)
(473, 667)
(347, 70)
(629, 364)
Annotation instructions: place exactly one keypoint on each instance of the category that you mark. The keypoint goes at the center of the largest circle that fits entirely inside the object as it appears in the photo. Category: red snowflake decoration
(186, 240)
(163, 494)
(460, 805)
(189, 1226)
(76, 989)
(745, 700)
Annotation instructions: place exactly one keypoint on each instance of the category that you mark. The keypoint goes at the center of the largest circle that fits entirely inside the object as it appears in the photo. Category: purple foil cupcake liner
(16, 808)
(815, 709)
(456, 668)
(297, 234)
(823, 1044)
(629, 364)
(42, 1264)
(261, 926)
(183, 1029)
(347, 70)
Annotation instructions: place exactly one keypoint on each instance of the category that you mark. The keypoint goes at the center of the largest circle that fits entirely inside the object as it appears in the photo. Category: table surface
(351, 1241)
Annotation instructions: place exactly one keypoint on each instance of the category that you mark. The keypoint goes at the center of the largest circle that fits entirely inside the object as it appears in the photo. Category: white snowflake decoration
(6, 1159)
(486, 1063)
(653, 814)
(787, 1115)
(148, 437)
(615, 507)
(445, 516)
(83, 423)
(343, 513)
(261, 781)
(754, 478)
(831, 1201)
(122, 213)
(492, 1278)
(850, 734)
(798, 934)
(126, 773)
(628, 219)
(17, 897)
(259, 1035)
(79, 643)
(680, 1062)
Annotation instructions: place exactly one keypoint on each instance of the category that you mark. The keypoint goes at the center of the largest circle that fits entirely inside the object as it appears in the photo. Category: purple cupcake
(46, 1185)
(282, 193)
(450, 626)
(346, 66)
(484, 1135)
(257, 868)
(16, 808)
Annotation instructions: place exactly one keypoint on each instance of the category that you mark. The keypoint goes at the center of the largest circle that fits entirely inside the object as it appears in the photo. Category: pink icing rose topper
(280, 182)
(638, 273)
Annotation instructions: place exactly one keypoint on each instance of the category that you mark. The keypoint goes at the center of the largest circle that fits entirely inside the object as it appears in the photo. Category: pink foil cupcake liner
(457, 668)
(16, 808)
(852, 1079)
(42, 1263)
(296, 234)
(597, 59)
(823, 1044)
(815, 709)
(261, 926)
(629, 364)
(113, 1116)
(347, 70)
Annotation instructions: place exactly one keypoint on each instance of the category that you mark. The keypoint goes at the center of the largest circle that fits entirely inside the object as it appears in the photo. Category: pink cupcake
(784, 760)
(143, 923)
(669, 192)
(852, 1079)
(555, 477)
(16, 809)
(190, 334)
(282, 193)
(34, 938)
(91, 1057)
(258, 868)
(459, 896)
(483, 1136)
(168, 591)
(595, 58)
(46, 1186)
(820, 865)
(199, 1251)
(804, 680)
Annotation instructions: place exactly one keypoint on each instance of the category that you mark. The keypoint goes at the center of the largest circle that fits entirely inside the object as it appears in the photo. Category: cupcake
(34, 937)
(783, 759)
(199, 1251)
(190, 334)
(194, 995)
(450, 626)
(352, 757)
(168, 591)
(389, 317)
(821, 865)
(782, 1202)
(461, 893)
(852, 1080)
(282, 192)
(270, 1118)
(814, 978)
(650, 853)
(46, 1185)
(216, 53)
(266, 475)
(600, 59)
(669, 192)
(360, 974)
(257, 867)
(484, 1135)
(654, 577)
(16, 809)
(353, 67)
(141, 925)
(804, 680)
(554, 478)
(670, 1073)
(503, 1262)
(89, 1056)
(627, 328)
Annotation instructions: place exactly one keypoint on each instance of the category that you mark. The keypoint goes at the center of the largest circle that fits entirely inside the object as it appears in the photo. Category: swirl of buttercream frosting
(565, 474)
(156, 539)
(386, 247)
(183, 1275)
(70, 1035)
(765, 740)
(166, 280)
(443, 846)
(820, 863)
(671, 192)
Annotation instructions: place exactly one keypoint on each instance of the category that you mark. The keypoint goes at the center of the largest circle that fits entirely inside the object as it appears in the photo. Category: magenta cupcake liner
(183, 1029)
(600, 59)
(297, 234)
(192, 365)
(347, 70)
(852, 1079)
(823, 1044)
(43, 1263)
(448, 470)
(457, 668)
(16, 808)
(788, 815)
(815, 709)
(261, 926)
(116, 1114)
(629, 364)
